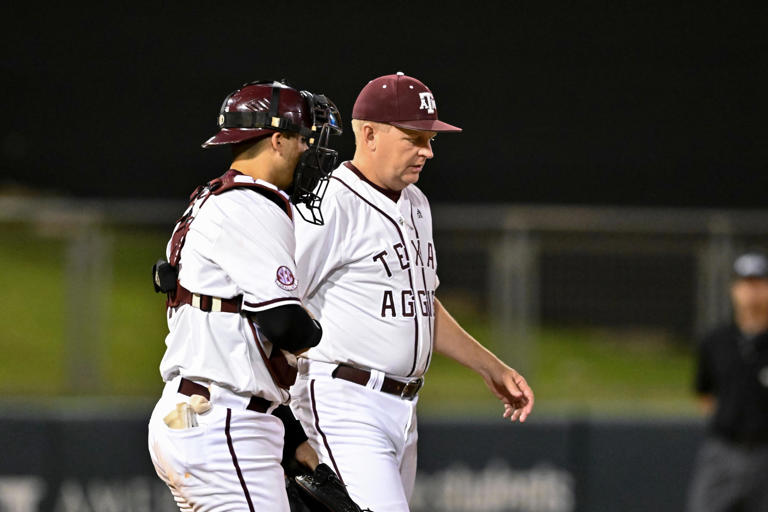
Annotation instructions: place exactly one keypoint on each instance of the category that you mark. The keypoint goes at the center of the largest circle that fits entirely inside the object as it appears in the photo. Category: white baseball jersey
(240, 242)
(228, 457)
(369, 276)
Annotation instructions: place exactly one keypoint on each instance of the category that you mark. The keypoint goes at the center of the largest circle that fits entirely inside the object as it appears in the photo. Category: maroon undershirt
(394, 195)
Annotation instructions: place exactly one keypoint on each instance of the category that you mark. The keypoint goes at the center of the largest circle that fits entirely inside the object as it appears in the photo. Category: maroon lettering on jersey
(407, 303)
(388, 304)
(430, 256)
(402, 255)
(423, 302)
(417, 251)
(380, 257)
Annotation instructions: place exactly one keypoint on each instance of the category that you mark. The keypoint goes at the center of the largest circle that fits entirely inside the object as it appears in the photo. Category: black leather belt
(189, 388)
(405, 390)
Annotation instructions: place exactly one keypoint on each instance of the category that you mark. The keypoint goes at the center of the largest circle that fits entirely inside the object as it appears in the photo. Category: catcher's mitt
(319, 491)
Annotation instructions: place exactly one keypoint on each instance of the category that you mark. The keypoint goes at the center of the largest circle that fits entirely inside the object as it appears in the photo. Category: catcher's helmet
(261, 108)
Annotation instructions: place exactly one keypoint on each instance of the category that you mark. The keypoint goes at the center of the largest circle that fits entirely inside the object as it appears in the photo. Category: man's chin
(412, 177)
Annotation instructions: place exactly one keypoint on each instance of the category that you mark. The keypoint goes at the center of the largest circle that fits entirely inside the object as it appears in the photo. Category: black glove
(320, 491)
(295, 496)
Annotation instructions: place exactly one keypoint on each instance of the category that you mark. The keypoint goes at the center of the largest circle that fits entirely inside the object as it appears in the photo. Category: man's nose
(426, 150)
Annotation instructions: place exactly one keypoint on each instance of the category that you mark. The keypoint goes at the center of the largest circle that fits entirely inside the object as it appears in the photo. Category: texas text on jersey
(388, 247)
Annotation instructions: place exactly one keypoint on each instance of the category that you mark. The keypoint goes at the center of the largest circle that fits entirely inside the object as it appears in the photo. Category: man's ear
(369, 136)
(276, 140)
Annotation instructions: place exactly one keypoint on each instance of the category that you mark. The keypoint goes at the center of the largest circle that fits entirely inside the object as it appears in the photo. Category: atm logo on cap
(427, 102)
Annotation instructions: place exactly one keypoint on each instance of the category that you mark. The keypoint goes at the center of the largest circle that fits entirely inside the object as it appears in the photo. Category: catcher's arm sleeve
(294, 434)
(289, 327)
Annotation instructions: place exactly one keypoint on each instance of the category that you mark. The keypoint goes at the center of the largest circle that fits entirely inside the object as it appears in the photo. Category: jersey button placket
(415, 289)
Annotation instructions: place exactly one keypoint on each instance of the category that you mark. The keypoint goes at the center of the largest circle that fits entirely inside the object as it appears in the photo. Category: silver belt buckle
(411, 388)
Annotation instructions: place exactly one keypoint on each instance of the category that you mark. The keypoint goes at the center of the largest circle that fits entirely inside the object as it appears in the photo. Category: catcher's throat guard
(310, 179)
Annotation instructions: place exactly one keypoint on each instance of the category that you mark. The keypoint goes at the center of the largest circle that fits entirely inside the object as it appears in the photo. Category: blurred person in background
(731, 472)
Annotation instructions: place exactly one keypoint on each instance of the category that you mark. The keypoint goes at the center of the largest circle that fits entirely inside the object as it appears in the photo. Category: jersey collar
(394, 195)
(239, 177)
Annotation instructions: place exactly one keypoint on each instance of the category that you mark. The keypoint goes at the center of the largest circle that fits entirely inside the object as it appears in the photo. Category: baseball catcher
(235, 318)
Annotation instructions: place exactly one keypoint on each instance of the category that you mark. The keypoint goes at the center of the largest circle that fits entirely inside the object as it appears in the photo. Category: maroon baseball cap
(401, 101)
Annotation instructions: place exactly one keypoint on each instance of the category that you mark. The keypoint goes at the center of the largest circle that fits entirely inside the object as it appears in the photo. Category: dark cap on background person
(751, 265)
(401, 101)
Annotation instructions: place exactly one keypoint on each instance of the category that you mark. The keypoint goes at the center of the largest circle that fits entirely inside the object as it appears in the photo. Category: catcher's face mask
(314, 168)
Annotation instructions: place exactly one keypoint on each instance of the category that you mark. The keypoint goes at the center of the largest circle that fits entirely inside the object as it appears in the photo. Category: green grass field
(572, 371)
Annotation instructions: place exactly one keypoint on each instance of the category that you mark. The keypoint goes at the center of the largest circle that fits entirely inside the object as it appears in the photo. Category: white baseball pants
(368, 437)
(229, 462)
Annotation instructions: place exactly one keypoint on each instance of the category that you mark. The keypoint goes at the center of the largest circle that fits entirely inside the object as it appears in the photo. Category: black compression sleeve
(289, 327)
(294, 434)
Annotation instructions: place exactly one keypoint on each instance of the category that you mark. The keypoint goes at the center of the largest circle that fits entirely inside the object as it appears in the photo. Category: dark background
(590, 103)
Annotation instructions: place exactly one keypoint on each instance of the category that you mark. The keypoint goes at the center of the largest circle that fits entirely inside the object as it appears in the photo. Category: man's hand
(508, 385)
(512, 389)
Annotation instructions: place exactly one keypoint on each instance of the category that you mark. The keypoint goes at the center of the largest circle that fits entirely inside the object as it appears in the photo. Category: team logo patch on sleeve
(285, 278)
